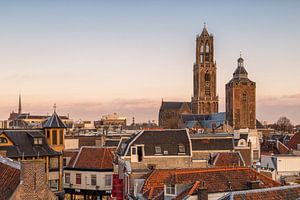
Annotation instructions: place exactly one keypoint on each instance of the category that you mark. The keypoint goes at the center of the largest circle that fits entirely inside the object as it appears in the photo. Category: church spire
(20, 105)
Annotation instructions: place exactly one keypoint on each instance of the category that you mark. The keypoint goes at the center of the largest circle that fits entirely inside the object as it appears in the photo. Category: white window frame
(105, 179)
(156, 150)
(94, 176)
(168, 187)
(69, 175)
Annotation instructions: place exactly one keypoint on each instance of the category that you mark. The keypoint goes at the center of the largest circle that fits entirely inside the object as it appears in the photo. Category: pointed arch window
(207, 83)
(202, 48)
(206, 47)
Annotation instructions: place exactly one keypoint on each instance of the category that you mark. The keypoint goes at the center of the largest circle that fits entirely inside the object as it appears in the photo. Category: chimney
(202, 192)
(33, 174)
(253, 185)
(3, 153)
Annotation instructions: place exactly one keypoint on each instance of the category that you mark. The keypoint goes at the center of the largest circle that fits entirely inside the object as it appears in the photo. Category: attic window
(37, 141)
(170, 189)
(157, 150)
(3, 140)
(181, 148)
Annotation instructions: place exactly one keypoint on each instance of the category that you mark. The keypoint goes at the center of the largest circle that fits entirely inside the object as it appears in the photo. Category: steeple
(240, 71)
(20, 105)
(204, 31)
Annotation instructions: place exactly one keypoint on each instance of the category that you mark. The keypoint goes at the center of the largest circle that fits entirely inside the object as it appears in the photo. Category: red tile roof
(284, 192)
(214, 179)
(292, 144)
(94, 158)
(9, 180)
(282, 148)
(229, 159)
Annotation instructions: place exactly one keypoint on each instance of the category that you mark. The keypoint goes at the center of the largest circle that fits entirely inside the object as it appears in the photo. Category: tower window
(201, 49)
(3, 140)
(61, 137)
(206, 47)
(207, 84)
(244, 97)
(54, 137)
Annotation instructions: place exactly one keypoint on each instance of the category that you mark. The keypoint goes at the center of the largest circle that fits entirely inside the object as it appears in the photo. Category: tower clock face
(207, 84)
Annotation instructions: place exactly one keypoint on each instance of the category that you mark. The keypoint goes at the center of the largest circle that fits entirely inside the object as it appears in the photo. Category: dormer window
(37, 141)
(170, 189)
(181, 148)
(157, 150)
(3, 140)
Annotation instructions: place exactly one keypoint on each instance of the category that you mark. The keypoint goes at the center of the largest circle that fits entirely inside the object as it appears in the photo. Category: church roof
(54, 122)
(240, 70)
(173, 105)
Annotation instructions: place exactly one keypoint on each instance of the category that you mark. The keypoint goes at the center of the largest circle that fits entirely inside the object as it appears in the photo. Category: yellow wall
(9, 142)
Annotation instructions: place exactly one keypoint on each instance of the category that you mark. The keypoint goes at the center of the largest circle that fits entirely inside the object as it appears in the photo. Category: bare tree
(284, 124)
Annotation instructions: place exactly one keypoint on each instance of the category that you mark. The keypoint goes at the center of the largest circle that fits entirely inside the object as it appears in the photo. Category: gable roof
(93, 158)
(168, 140)
(24, 146)
(290, 192)
(214, 179)
(9, 178)
(294, 141)
(54, 122)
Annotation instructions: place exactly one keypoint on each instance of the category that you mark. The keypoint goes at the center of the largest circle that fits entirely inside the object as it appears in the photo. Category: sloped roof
(206, 121)
(9, 180)
(294, 141)
(54, 122)
(168, 140)
(291, 192)
(214, 179)
(24, 146)
(94, 158)
(212, 142)
(173, 105)
(228, 159)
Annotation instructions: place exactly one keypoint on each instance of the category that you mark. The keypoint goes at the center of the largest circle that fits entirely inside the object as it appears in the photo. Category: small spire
(20, 104)
(204, 24)
(54, 107)
(240, 53)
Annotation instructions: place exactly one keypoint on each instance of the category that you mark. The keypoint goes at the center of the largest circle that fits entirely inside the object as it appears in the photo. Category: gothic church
(202, 111)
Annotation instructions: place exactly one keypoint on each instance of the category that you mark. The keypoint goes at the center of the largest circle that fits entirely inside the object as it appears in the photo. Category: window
(140, 153)
(93, 179)
(67, 178)
(64, 162)
(53, 163)
(298, 146)
(54, 137)
(244, 97)
(3, 140)
(133, 150)
(170, 189)
(53, 184)
(37, 141)
(108, 180)
(207, 83)
(206, 47)
(181, 148)
(48, 134)
(78, 179)
(61, 137)
(157, 150)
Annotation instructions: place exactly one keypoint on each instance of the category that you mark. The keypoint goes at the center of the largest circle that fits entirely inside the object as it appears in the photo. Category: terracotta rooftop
(214, 179)
(98, 158)
(228, 159)
(9, 180)
(294, 141)
(284, 192)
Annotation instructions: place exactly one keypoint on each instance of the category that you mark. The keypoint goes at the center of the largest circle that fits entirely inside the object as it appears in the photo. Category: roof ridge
(103, 158)
(212, 170)
(265, 176)
(77, 156)
(196, 184)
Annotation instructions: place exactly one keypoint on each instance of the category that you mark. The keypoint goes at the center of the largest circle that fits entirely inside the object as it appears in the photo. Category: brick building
(241, 99)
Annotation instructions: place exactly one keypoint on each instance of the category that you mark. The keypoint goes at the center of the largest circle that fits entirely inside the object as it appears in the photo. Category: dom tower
(205, 100)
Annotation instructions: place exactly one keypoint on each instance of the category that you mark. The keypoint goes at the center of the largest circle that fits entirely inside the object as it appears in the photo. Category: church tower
(241, 99)
(205, 99)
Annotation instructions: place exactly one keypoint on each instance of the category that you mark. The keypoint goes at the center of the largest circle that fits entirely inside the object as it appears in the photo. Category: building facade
(205, 99)
(241, 99)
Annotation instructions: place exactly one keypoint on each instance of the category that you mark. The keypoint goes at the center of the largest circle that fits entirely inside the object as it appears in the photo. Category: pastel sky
(98, 57)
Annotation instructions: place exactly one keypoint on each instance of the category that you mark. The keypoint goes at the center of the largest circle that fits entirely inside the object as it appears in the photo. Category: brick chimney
(253, 185)
(202, 192)
(33, 175)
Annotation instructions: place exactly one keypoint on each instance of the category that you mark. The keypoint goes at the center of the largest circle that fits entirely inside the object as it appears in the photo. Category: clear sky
(98, 57)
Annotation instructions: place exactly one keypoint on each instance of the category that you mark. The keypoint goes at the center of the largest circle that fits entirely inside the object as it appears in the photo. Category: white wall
(86, 180)
(71, 143)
